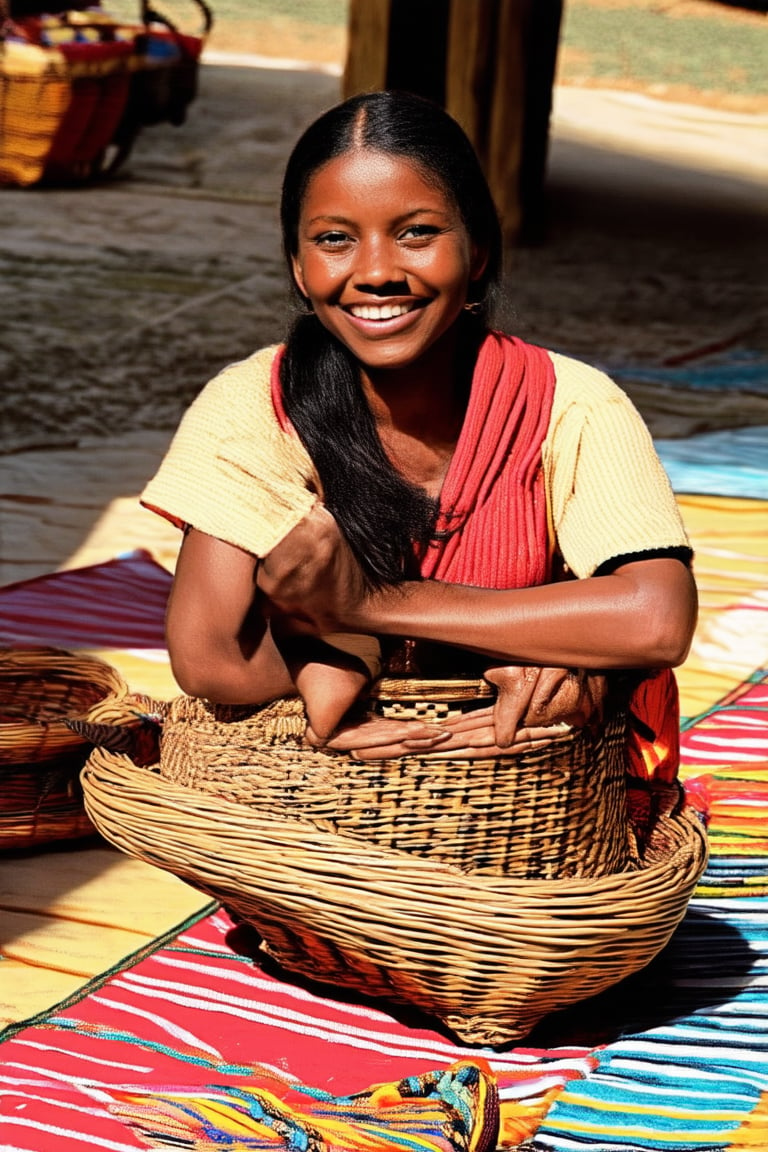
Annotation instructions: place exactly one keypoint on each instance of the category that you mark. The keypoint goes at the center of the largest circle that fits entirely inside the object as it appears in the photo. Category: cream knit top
(232, 472)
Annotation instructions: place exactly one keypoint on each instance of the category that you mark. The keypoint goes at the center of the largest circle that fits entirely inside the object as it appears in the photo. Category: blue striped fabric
(730, 462)
(685, 1062)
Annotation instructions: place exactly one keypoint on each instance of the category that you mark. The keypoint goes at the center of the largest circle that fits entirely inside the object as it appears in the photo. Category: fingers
(572, 696)
(370, 741)
(380, 734)
(527, 740)
(554, 695)
(484, 741)
(543, 696)
(388, 752)
(597, 690)
(515, 687)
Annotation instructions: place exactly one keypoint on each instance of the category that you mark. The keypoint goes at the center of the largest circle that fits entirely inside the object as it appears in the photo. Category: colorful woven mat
(188, 1046)
(193, 1042)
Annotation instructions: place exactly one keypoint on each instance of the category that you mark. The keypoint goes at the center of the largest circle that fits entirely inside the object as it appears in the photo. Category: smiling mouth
(380, 311)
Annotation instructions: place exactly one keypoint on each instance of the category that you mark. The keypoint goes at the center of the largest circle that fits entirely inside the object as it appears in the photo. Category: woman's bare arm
(219, 640)
(642, 615)
(222, 647)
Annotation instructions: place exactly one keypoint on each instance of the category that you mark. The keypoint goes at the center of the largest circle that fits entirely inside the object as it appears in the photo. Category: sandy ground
(118, 301)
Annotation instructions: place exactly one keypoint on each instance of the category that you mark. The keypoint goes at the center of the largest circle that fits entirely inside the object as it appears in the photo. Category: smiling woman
(387, 275)
(399, 477)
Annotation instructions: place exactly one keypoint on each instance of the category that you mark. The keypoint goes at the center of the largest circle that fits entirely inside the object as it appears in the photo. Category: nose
(377, 264)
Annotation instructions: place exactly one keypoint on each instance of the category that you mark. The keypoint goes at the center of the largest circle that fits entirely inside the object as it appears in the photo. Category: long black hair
(379, 512)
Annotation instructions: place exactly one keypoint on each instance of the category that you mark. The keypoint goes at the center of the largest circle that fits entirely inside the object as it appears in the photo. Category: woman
(399, 470)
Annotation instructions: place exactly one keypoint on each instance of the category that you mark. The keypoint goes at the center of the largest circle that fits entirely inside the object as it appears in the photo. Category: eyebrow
(331, 219)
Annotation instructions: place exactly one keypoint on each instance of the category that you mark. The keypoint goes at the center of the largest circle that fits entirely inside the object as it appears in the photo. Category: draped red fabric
(493, 507)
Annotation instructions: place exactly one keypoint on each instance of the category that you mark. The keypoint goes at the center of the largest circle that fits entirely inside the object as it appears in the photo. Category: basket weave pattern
(488, 955)
(558, 810)
(40, 756)
(77, 87)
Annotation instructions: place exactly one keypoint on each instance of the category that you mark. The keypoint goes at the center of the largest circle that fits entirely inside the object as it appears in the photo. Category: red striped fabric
(734, 731)
(197, 1013)
(118, 604)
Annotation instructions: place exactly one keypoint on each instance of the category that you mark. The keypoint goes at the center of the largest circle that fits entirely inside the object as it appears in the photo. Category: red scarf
(493, 501)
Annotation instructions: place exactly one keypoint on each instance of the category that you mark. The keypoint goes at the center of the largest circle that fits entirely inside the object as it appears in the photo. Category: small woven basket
(390, 904)
(77, 87)
(41, 690)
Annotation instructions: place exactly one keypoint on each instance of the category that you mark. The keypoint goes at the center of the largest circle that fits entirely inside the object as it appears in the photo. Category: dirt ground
(119, 300)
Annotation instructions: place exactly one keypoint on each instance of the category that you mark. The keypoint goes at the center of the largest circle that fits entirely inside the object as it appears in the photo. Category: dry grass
(291, 39)
(691, 51)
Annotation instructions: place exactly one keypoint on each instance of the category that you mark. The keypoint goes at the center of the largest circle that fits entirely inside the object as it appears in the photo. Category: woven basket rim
(45, 656)
(235, 820)
(405, 686)
(35, 738)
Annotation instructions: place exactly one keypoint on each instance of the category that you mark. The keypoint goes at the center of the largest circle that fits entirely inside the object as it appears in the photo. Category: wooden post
(485, 89)
(367, 47)
(491, 63)
(470, 68)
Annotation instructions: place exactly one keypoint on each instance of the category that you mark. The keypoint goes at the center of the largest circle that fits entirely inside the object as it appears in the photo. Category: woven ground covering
(192, 1042)
(188, 1045)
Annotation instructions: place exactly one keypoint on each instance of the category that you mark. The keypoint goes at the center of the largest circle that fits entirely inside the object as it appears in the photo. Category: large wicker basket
(362, 875)
(41, 689)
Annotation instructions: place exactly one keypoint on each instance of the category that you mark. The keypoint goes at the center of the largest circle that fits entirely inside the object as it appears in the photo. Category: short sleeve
(231, 470)
(608, 492)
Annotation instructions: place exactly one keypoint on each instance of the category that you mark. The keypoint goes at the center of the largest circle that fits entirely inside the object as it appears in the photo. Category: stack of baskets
(486, 893)
(76, 87)
(41, 690)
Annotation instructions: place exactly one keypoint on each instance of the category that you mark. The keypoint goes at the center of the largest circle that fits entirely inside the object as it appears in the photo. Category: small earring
(473, 306)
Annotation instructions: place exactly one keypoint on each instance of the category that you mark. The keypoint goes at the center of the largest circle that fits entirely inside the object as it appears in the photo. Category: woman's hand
(312, 576)
(381, 738)
(329, 680)
(533, 706)
(306, 580)
(539, 697)
(469, 736)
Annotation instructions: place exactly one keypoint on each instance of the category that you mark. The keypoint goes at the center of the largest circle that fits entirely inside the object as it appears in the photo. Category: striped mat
(674, 1059)
(120, 603)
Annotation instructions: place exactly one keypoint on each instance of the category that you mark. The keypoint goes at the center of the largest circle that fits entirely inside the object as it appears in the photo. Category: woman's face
(383, 256)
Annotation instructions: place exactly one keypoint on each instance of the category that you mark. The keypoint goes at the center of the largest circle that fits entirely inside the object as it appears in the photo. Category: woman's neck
(427, 399)
(419, 411)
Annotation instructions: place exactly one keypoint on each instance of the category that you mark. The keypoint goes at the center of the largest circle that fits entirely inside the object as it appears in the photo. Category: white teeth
(379, 311)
